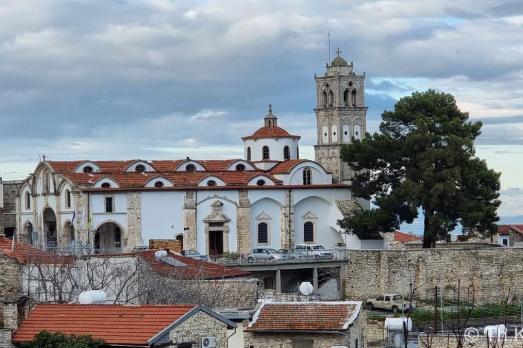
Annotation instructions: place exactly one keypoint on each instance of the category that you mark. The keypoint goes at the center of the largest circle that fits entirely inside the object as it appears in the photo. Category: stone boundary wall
(374, 333)
(494, 274)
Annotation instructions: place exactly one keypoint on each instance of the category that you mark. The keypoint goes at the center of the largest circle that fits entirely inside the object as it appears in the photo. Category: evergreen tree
(423, 157)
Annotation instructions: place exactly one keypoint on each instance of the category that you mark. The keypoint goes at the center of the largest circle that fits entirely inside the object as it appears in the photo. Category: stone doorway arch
(50, 233)
(217, 230)
(108, 238)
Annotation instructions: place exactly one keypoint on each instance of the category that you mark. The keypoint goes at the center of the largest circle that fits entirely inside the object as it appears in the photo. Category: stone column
(287, 222)
(243, 222)
(189, 221)
(133, 237)
(343, 277)
(315, 279)
(278, 281)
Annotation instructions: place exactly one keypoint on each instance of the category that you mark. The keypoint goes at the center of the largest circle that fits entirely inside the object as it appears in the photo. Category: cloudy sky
(167, 79)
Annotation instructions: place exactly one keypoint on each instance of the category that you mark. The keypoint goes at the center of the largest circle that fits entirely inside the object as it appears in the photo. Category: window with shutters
(307, 174)
(263, 233)
(265, 152)
(308, 232)
(286, 153)
(109, 204)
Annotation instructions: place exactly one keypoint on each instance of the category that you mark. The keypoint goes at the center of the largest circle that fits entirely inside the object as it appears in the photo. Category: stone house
(9, 190)
(173, 326)
(305, 325)
(510, 235)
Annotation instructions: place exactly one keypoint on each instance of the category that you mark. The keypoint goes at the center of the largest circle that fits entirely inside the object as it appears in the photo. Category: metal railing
(293, 256)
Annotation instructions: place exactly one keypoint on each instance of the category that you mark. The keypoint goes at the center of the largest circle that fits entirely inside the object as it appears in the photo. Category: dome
(270, 132)
(338, 61)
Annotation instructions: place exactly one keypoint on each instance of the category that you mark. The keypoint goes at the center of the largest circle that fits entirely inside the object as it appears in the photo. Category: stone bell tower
(341, 115)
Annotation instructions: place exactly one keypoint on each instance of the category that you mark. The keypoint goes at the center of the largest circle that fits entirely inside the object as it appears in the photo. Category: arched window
(324, 99)
(308, 232)
(211, 183)
(286, 153)
(27, 200)
(67, 199)
(263, 233)
(307, 174)
(248, 154)
(260, 182)
(190, 167)
(106, 185)
(158, 183)
(265, 153)
(353, 97)
(331, 98)
(88, 169)
(346, 97)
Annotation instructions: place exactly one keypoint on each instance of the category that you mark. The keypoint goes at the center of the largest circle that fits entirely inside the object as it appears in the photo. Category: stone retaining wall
(494, 274)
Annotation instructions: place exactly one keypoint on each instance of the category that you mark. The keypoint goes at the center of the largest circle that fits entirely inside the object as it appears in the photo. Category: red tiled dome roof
(270, 132)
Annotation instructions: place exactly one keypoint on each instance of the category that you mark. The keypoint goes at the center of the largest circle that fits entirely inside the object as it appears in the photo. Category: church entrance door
(215, 242)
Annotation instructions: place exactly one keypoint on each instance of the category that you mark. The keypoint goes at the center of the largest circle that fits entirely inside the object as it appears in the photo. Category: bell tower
(341, 115)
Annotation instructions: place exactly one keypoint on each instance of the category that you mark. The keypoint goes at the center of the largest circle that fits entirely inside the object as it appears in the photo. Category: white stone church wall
(275, 148)
(160, 211)
(271, 208)
(99, 216)
(205, 199)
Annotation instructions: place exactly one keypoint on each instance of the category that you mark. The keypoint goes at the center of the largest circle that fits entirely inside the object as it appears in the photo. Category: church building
(269, 198)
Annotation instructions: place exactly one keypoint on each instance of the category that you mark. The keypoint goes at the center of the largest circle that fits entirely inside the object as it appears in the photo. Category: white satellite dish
(306, 288)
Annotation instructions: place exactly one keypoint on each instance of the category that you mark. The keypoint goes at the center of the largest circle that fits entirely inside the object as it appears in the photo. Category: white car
(311, 251)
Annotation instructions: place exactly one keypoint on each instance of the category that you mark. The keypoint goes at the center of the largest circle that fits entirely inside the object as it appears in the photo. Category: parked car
(391, 302)
(266, 254)
(194, 254)
(311, 251)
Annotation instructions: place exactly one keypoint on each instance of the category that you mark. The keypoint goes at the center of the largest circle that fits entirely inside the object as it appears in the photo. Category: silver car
(266, 255)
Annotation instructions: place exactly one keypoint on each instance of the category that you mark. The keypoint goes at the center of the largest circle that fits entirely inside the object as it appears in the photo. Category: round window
(106, 185)
(140, 168)
(260, 182)
(88, 169)
(240, 167)
(190, 167)
(158, 184)
(211, 183)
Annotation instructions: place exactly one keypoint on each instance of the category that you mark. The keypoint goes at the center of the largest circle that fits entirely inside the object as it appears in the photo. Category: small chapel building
(269, 198)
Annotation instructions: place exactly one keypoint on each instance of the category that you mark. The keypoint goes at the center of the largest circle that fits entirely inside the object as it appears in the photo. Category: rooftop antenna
(329, 35)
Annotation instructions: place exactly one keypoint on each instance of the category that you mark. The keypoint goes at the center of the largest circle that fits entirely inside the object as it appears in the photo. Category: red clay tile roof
(115, 170)
(25, 253)
(287, 166)
(193, 269)
(304, 316)
(405, 237)
(115, 324)
(270, 132)
(505, 229)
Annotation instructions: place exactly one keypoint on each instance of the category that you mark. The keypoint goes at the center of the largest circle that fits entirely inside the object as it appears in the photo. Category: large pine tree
(423, 157)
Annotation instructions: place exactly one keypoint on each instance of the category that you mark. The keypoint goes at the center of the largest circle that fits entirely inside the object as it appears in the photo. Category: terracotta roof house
(305, 324)
(129, 326)
(510, 235)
